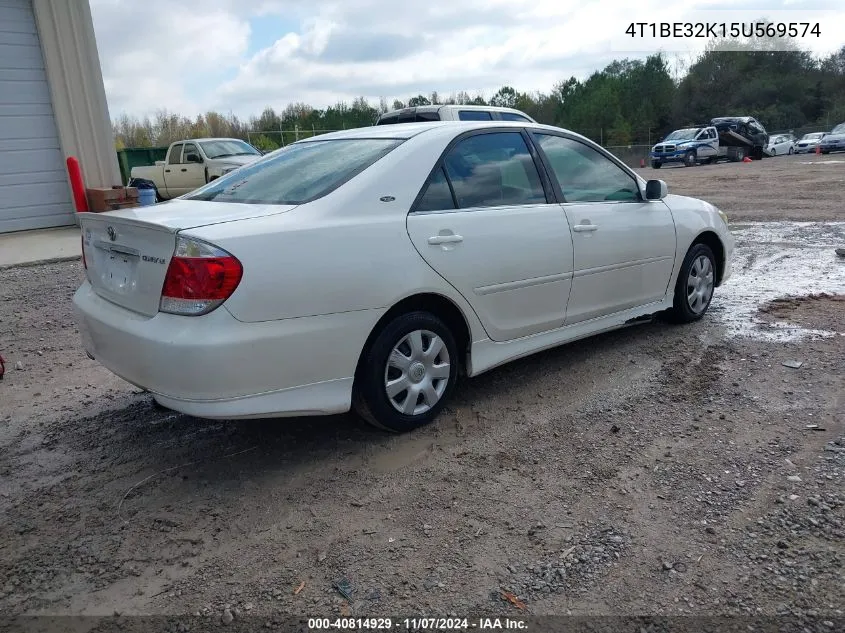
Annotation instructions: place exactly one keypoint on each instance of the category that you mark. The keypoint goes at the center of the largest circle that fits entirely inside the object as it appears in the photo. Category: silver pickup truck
(191, 164)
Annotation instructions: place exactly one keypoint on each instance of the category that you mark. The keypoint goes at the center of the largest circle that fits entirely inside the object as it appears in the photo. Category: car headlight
(723, 216)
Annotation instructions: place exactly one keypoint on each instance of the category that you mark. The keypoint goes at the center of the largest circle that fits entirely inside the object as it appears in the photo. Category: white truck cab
(420, 114)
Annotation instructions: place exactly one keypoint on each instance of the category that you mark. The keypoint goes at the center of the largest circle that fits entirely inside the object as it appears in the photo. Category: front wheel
(656, 164)
(773, 152)
(407, 373)
(694, 288)
(791, 151)
(690, 159)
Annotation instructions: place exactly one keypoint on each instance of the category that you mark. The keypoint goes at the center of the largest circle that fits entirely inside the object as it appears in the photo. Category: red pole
(77, 184)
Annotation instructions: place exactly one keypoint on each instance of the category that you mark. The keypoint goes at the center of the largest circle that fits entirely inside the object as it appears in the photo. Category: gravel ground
(657, 470)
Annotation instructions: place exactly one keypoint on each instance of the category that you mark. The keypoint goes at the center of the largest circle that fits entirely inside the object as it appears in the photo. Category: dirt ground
(797, 187)
(657, 470)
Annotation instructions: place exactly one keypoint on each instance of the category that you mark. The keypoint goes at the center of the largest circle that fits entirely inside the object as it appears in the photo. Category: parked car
(808, 143)
(368, 268)
(780, 145)
(835, 141)
(423, 114)
(191, 164)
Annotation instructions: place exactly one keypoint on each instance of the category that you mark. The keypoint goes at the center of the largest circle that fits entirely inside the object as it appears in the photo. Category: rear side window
(298, 173)
(474, 115)
(437, 196)
(494, 170)
(175, 156)
(388, 120)
(427, 116)
(512, 116)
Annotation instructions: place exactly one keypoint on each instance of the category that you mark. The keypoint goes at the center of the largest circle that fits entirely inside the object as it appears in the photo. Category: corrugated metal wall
(33, 184)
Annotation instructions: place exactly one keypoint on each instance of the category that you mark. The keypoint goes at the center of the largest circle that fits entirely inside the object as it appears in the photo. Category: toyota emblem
(112, 233)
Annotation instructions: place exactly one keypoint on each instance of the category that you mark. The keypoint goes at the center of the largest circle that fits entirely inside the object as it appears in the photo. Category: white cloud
(192, 55)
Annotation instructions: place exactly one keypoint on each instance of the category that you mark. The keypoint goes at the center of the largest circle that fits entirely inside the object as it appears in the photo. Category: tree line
(629, 102)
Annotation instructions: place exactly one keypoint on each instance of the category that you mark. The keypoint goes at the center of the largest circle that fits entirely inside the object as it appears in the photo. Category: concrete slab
(25, 248)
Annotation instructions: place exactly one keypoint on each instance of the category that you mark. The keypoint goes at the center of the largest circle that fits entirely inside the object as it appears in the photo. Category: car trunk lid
(127, 252)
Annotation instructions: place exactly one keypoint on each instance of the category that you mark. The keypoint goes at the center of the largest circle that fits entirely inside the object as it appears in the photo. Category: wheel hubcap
(700, 284)
(417, 372)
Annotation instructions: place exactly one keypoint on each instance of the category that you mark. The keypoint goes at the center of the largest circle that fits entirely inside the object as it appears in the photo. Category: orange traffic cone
(747, 159)
(818, 150)
(642, 163)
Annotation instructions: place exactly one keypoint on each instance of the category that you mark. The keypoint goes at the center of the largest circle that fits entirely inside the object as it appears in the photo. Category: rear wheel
(407, 373)
(694, 288)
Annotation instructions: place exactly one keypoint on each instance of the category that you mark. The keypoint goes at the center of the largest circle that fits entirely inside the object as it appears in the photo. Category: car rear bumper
(218, 367)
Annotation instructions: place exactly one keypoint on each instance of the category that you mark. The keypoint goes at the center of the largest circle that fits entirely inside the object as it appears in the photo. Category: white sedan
(781, 145)
(370, 267)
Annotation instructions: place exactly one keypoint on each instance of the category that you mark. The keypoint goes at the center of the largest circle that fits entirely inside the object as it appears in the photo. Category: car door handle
(582, 228)
(445, 239)
(184, 169)
(167, 171)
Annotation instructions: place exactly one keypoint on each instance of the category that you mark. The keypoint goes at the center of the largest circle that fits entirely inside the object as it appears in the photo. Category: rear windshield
(297, 173)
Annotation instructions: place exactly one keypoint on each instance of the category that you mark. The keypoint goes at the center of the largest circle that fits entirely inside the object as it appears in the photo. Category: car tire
(690, 158)
(698, 273)
(430, 379)
(774, 152)
(791, 151)
(656, 164)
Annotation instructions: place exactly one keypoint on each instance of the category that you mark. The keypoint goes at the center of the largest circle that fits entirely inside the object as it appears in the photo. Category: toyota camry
(368, 268)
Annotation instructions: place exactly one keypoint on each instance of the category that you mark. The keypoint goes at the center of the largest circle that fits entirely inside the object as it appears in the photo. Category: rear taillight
(199, 278)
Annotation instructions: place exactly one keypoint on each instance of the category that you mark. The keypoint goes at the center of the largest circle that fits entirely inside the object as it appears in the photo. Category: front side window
(492, 170)
(175, 157)
(474, 115)
(191, 150)
(297, 173)
(586, 175)
(228, 147)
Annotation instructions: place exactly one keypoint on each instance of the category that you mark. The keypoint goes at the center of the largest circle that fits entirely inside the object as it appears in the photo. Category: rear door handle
(445, 239)
(583, 228)
(184, 169)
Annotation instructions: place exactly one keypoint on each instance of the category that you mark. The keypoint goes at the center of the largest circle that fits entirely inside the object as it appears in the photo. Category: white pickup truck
(191, 164)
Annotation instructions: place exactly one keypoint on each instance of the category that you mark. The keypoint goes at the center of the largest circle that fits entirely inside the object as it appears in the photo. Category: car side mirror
(656, 190)
(193, 158)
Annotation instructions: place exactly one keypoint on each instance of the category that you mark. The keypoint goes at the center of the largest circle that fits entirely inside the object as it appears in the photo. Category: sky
(193, 56)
